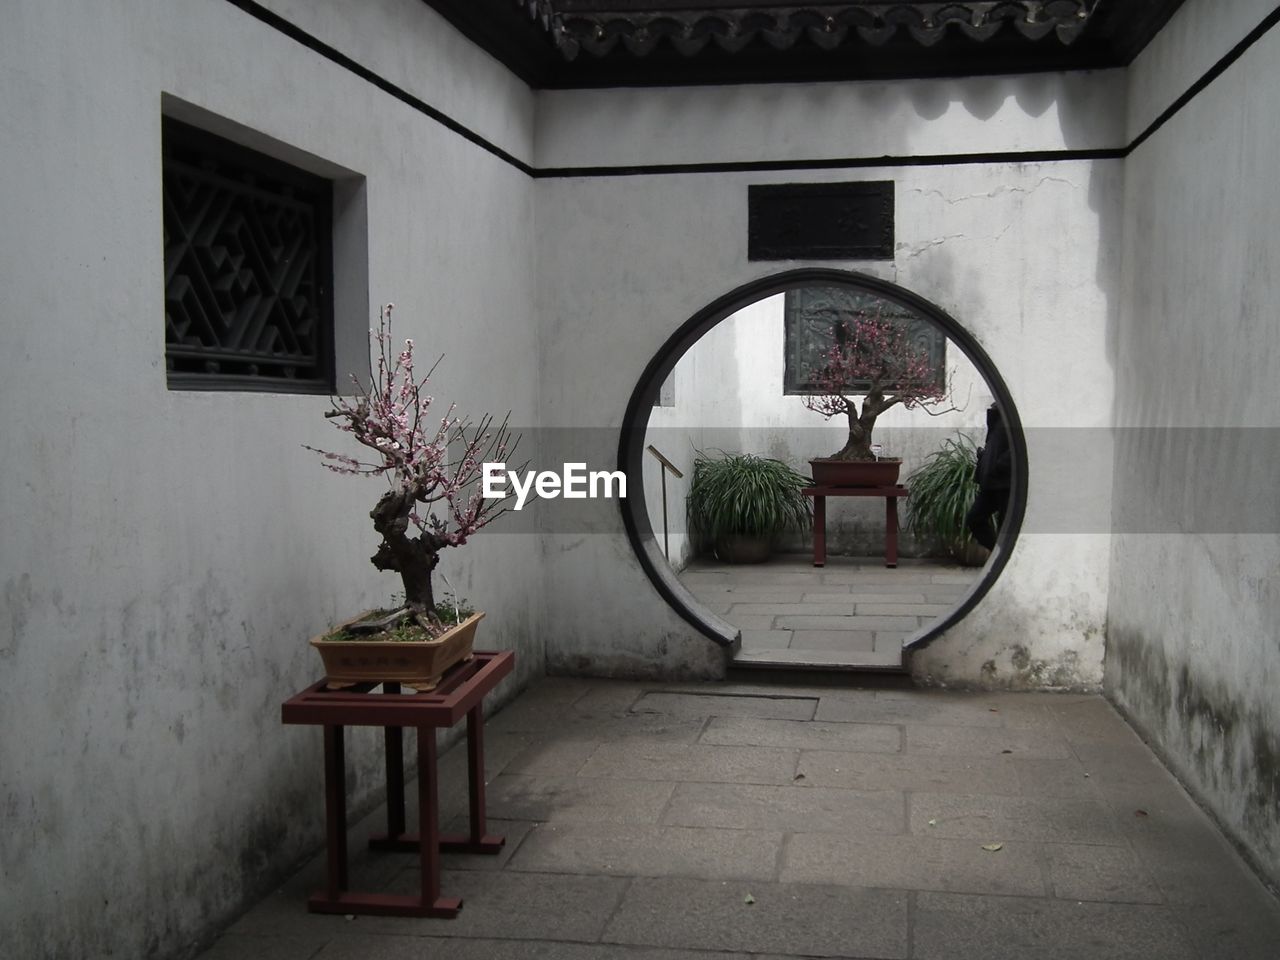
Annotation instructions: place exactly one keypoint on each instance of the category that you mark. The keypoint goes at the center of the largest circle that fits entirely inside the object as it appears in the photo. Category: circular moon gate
(635, 514)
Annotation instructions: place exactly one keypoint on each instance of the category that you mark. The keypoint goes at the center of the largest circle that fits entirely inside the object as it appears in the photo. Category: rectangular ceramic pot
(418, 664)
(855, 473)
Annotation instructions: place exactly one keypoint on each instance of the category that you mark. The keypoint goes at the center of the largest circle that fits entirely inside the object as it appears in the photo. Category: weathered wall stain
(17, 601)
(1227, 753)
(1017, 638)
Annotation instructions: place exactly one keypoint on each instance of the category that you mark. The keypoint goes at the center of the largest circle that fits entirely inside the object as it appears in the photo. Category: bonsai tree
(434, 499)
(872, 358)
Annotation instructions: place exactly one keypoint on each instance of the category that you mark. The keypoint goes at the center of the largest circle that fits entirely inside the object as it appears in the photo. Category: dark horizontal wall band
(1212, 74)
(841, 163)
(296, 33)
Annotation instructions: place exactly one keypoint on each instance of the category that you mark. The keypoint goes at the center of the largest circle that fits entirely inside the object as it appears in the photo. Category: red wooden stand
(820, 494)
(461, 692)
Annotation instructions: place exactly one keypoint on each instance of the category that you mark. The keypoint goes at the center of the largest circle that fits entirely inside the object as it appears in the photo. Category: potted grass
(941, 492)
(739, 503)
(432, 466)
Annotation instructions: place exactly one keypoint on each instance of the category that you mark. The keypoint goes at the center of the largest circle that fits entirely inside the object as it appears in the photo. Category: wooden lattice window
(248, 268)
(814, 318)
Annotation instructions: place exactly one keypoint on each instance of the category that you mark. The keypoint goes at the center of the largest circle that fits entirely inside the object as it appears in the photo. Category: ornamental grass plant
(942, 491)
(745, 495)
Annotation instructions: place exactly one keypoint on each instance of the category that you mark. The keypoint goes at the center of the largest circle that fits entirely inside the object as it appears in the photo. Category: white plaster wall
(408, 43)
(166, 555)
(705, 417)
(806, 121)
(1198, 35)
(1192, 652)
(1022, 254)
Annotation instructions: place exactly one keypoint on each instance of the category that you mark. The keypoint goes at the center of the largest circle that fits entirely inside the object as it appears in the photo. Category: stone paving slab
(1001, 818)
(627, 726)
(793, 609)
(1091, 720)
(891, 639)
(1053, 778)
(706, 763)
(872, 596)
(927, 709)
(754, 593)
(833, 640)
(766, 639)
(815, 809)
(578, 798)
(248, 946)
(753, 621)
(808, 920)
(881, 577)
(552, 758)
(894, 609)
(513, 831)
(527, 906)
(1093, 872)
(806, 622)
(796, 657)
(649, 851)
(913, 863)
(825, 768)
(751, 731)
(741, 575)
(935, 740)
(354, 947)
(775, 707)
(949, 925)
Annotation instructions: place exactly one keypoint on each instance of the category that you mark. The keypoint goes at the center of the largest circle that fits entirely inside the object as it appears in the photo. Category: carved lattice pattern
(247, 269)
(814, 317)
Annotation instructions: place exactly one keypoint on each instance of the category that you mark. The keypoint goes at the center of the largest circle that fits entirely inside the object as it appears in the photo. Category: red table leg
(335, 810)
(395, 839)
(428, 903)
(477, 841)
(433, 905)
(891, 531)
(819, 530)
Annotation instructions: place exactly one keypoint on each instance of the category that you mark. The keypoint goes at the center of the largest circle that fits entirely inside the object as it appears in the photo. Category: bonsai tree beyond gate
(431, 492)
(872, 357)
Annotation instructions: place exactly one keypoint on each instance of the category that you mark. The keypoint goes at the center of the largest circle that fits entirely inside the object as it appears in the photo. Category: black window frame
(192, 152)
(799, 382)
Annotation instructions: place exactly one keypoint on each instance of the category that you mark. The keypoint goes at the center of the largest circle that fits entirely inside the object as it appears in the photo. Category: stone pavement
(724, 821)
(854, 611)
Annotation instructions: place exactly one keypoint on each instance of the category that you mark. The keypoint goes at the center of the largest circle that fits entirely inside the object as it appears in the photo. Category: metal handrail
(667, 466)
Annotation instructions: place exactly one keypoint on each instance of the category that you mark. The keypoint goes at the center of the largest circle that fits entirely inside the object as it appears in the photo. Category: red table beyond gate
(890, 494)
(461, 692)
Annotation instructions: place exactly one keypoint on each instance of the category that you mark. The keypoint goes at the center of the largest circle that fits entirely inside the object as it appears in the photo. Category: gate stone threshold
(853, 614)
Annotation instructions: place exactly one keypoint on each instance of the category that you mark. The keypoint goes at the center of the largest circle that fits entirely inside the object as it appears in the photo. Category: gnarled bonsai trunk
(414, 558)
(861, 423)
(858, 446)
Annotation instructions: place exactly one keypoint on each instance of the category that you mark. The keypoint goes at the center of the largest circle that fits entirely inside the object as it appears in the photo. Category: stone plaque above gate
(820, 221)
